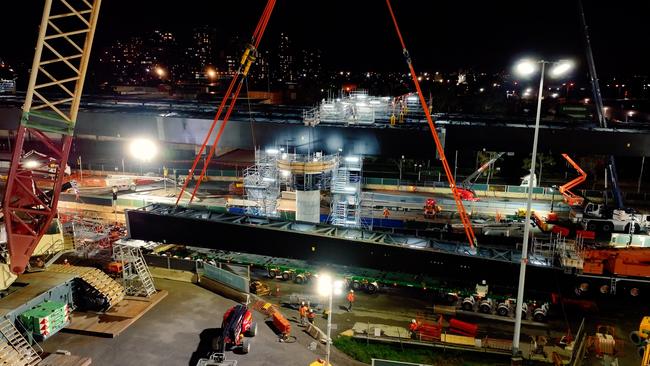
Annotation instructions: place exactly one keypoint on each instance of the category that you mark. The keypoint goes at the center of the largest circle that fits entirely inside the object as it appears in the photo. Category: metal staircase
(136, 277)
(14, 348)
(345, 208)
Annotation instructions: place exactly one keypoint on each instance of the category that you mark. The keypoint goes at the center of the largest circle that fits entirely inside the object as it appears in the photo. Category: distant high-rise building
(201, 51)
(285, 60)
(134, 61)
(309, 64)
(260, 73)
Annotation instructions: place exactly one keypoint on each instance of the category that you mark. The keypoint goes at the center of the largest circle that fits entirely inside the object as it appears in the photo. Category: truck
(597, 217)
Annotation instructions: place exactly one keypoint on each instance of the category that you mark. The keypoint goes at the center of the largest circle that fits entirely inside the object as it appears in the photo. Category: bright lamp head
(143, 149)
(526, 67)
(561, 68)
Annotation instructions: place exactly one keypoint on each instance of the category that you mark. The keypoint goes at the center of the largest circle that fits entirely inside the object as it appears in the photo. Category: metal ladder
(143, 273)
(14, 349)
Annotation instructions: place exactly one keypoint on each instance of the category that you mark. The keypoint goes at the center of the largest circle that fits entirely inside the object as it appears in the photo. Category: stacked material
(96, 291)
(46, 318)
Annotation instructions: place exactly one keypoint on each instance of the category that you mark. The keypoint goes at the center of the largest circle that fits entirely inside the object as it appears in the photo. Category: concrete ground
(179, 331)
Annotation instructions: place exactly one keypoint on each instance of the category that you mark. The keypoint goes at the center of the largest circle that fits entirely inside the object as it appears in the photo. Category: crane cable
(246, 61)
(469, 232)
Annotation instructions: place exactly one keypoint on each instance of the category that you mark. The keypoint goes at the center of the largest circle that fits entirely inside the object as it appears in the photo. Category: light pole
(528, 68)
(553, 196)
(401, 162)
(328, 287)
(114, 189)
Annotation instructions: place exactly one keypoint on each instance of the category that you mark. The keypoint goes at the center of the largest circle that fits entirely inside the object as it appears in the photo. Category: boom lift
(465, 187)
(49, 116)
(571, 198)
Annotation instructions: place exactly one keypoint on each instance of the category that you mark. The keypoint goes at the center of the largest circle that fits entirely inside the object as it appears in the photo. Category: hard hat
(351, 290)
(412, 320)
(483, 282)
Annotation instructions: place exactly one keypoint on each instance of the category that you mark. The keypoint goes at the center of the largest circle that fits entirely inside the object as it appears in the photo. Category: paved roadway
(179, 330)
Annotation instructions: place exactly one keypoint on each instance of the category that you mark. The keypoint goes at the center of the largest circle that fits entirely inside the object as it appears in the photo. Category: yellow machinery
(640, 339)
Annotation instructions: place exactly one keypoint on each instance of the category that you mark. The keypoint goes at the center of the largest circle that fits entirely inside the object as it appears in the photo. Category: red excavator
(431, 208)
(465, 187)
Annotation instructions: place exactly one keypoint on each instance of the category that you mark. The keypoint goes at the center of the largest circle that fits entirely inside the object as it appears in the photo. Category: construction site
(344, 232)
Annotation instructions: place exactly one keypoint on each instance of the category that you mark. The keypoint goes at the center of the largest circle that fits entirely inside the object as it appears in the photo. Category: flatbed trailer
(461, 296)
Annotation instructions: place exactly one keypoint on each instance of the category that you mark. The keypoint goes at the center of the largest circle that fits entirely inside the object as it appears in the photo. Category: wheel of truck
(468, 306)
(591, 226)
(132, 187)
(300, 279)
(502, 311)
(607, 227)
(635, 338)
(245, 346)
(539, 317)
(485, 308)
(273, 273)
(356, 285)
(252, 331)
(371, 288)
(286, 276)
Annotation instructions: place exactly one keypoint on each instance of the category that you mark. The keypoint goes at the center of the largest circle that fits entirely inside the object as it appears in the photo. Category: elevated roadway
(187, 122)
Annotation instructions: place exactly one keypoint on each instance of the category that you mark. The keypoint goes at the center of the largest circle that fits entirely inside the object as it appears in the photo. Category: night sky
(358, 35)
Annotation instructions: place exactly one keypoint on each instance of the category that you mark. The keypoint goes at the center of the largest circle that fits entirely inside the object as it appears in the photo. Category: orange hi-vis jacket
(351, 297)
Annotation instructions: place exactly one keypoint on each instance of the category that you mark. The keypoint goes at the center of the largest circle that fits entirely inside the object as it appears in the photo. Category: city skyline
(444, 36)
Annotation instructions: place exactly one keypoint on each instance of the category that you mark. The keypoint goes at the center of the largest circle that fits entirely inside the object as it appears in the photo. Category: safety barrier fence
(233, 275)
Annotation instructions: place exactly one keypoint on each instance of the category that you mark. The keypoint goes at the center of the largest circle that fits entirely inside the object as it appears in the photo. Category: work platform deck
(114, 321)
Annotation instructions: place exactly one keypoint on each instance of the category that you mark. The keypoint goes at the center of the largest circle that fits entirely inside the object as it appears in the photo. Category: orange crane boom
(467, 225)
(571, 198)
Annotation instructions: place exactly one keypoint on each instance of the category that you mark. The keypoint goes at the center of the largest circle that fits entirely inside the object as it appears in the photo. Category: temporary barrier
(281, 323)
(460, 327)
(232, 280)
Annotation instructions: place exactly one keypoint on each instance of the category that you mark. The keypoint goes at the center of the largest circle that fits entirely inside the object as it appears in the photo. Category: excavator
(570, 198)
(465, 187)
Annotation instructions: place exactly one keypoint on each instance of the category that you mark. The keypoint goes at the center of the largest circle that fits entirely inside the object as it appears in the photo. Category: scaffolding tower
(345, 207)
(262, 184)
